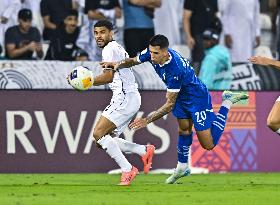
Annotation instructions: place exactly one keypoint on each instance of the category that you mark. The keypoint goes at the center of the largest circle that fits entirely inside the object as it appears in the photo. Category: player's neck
(165, 59)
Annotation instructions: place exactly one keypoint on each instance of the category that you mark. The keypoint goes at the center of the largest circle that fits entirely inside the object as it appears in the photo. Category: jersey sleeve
(10, 37)
(144, 56)
(174, 82)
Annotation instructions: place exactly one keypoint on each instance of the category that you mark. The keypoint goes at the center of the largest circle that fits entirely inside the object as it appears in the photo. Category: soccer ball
(81, 78)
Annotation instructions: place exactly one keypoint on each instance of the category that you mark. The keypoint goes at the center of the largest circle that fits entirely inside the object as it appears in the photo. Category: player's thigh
(274, 115)
(103, 127)
(202, 118)
(184, 126)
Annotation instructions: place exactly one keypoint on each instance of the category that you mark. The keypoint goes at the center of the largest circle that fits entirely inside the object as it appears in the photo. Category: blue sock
(218, 125)
(183, 147)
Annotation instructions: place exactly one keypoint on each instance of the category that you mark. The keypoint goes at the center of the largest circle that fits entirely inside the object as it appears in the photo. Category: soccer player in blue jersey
(188, 99)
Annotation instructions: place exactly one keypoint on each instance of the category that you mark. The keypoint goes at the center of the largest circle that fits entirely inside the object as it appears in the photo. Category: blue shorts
(200, 111)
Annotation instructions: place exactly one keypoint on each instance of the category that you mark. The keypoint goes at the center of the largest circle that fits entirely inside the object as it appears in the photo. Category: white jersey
(126, 99)
(124, 79)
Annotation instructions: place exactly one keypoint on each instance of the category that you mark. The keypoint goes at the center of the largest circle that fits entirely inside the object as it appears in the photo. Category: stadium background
(45, 129)
(45, 122)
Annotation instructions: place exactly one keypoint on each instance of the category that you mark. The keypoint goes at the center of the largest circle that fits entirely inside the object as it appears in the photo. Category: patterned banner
(52, 74)
(51, 131)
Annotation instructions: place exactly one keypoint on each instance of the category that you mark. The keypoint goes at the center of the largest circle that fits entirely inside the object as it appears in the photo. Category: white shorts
(122, 109)
(278, 99)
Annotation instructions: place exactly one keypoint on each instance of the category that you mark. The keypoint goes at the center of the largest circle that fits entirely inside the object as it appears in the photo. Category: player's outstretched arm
(104, 78)
(127, 63)
(163, 110)
(261, 60)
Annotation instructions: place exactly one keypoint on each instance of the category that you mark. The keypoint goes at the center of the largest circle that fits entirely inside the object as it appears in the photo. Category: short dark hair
(104, 23)
(72, 12)
(159, 40)
(25, 14)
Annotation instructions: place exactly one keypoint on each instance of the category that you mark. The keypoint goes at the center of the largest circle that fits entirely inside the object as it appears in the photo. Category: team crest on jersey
(201, 123)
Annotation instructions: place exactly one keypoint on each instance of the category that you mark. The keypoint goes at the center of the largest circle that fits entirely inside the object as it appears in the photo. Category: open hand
(138, 123)
(109, 65)
(260, 60)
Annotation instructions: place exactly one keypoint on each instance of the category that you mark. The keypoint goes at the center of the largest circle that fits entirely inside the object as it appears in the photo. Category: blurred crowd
(217, 32)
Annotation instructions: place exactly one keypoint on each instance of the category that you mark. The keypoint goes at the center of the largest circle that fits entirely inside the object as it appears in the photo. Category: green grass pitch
(225, 189)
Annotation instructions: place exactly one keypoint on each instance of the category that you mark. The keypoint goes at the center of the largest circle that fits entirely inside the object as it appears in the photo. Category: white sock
(227, 104)
(114, 151)
(182, 166)
(278, 131)
(127, 146)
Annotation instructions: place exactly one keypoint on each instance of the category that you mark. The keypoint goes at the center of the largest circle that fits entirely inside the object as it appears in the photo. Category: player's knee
(97, 134)
(273, 123)
(208, 146)
(185, 132)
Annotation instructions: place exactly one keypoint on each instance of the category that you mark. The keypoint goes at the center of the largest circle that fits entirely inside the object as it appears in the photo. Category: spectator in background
(34, 6)
(198, 15)
(138, 24)
(81, 55)
(23, 40)
(274, 6)
(241, 28)
(216, 69)
(63, 41)
(53, 13)
(98, 10)
(170, 13)
(7, 18)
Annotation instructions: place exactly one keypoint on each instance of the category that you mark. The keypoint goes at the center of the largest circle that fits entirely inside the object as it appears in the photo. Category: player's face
(102, 36)
(158, 55)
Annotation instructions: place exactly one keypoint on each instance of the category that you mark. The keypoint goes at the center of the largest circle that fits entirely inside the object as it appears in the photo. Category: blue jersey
(178, 76)
(193, 99)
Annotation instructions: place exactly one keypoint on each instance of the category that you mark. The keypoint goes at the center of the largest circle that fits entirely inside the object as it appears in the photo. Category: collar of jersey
(167, 62)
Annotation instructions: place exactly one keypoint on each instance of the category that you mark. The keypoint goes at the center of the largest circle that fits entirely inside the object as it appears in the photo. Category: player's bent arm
(265, 61)
(274, 63)
(104, 78)
(165, 109)
(127, 63)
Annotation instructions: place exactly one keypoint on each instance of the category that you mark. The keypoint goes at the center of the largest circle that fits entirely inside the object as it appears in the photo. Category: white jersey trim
(173, 90)
(138, 59)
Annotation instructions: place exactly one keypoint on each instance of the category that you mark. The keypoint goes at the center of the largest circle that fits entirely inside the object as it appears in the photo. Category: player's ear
(112, 33)
(165, 50)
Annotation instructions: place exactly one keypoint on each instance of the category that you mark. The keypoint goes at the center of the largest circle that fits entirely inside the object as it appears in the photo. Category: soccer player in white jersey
(124, 104)
(273, 119)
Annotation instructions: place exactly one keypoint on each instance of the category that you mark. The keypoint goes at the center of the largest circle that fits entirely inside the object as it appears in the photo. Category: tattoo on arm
(165, 109)
(129, 62)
